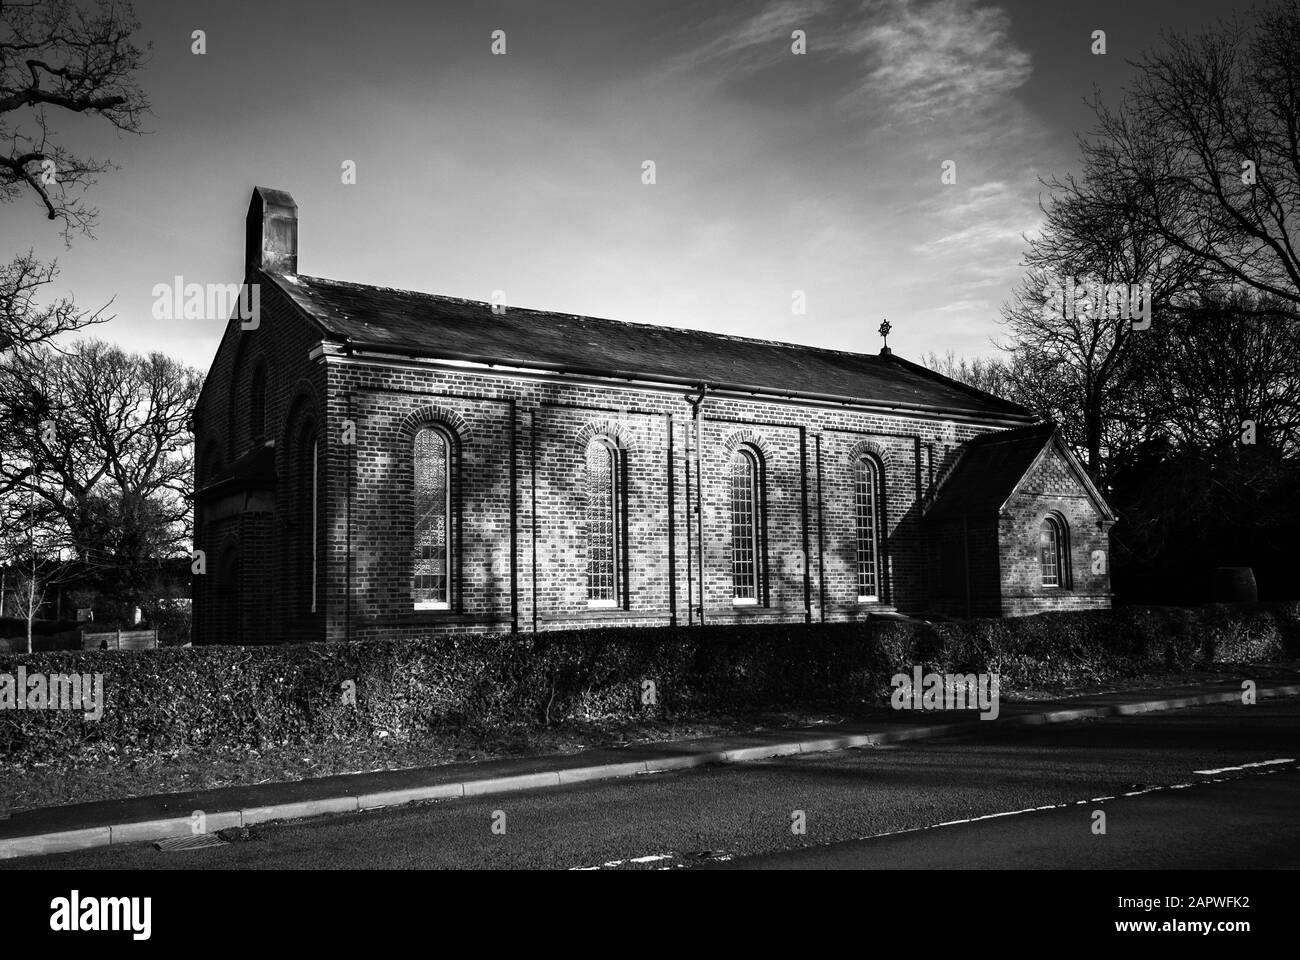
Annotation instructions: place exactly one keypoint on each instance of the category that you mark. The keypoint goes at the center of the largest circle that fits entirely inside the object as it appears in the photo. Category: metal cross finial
(884, 335)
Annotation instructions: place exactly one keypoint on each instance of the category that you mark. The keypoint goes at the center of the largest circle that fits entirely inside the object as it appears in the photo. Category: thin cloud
(936, 59)
(916, 61)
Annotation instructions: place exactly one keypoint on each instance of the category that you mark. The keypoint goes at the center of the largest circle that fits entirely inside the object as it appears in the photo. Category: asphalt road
(745, 815)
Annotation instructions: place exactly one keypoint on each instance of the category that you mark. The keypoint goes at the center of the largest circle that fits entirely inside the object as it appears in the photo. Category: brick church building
(383, 463)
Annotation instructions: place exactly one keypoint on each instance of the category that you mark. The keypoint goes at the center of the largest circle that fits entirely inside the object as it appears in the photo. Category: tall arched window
(603, 519)
(308, 546)
(746, 527)
(1052, 553)
(257, 403)
(431, 563)
(866, 496)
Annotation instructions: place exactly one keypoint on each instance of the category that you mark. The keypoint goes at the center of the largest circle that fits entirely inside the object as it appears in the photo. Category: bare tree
(1225, 374)
(1074, 364)
(60, 57)
(24, 320)
(1203, 152)
(57, 59)
(987, 374)
(100, 439)
(38, 562)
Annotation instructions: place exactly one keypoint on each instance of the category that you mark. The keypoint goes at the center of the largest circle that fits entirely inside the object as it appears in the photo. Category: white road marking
(1069, 803)
(651, 858)
(1250, 768)
(1245, 766)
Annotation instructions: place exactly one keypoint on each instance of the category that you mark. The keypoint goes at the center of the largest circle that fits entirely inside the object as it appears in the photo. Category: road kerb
(605, 771)
(59, 841)
(146, 831)
(742, 754)
(303, 808)
(395, 798)
(663, 764)
(523, 781)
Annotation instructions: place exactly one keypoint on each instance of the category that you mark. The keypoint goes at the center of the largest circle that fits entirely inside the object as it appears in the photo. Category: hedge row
(235, 697)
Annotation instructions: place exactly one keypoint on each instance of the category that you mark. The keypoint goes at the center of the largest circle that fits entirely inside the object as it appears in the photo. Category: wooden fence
(120, 640)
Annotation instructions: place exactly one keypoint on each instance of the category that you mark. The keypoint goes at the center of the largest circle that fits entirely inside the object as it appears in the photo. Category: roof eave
(355, 345)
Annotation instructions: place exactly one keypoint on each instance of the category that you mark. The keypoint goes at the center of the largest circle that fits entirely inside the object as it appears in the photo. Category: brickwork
(282, 342)
(1052, 487)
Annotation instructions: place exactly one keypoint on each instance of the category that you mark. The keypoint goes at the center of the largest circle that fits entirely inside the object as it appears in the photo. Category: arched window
(604, 517)
(1053, 554)
(866, 497)
(308, 546)
(746, 527)
(431, 560)
(257, 403)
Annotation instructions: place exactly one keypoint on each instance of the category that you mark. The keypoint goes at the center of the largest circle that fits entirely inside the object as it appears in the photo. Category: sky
(775, 172)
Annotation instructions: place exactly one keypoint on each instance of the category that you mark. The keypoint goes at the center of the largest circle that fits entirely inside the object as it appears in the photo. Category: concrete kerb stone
(59, 841)
(606, 771)
(145, 831)
(525, 781)
(661, 764)
(761, 753)
(303, 808)
(395, 798)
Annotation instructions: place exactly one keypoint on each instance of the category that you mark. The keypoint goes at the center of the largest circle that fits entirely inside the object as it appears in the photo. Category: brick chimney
(271, 234)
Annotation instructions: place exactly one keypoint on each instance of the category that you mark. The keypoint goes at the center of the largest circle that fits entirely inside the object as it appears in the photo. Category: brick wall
(538, 432)
(266, 538)
(1053, 488)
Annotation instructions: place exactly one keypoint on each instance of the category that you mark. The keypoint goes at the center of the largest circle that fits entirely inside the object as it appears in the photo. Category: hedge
(236, 697)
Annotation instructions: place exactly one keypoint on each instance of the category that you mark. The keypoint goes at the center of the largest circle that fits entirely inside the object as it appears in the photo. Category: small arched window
(1053, 554)
(746, 527)
(257, 403)
(604, 518)
(431, 560)
(866, 497)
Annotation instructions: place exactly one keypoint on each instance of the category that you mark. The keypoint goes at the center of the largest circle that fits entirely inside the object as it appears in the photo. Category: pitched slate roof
(448, 328)
(992, 466)
(989, 470)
